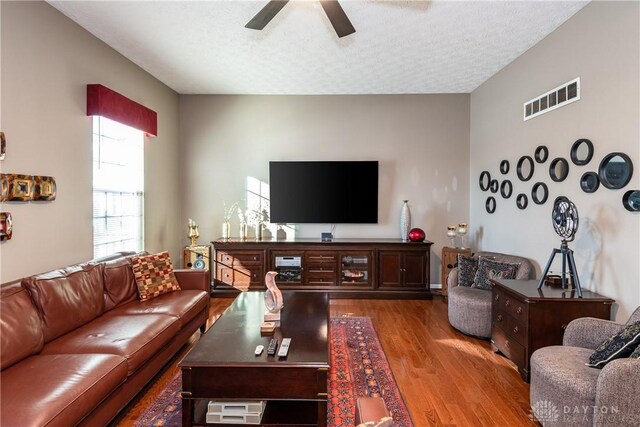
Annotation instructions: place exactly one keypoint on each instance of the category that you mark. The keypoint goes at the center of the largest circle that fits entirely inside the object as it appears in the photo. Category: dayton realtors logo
(544, 411)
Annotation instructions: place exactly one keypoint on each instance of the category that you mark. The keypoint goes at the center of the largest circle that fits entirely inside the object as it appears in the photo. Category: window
(118, 187)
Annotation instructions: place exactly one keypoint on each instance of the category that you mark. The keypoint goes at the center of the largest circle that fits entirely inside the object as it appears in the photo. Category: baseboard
(435, 286)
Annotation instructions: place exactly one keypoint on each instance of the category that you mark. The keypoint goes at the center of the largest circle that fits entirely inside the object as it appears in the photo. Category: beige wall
(47, 60)
(421, 142)
(601, 45)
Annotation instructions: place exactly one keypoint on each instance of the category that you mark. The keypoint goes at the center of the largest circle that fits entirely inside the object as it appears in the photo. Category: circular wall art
(615, 170)
(506, 189)
(525, 168)
(581, 152)
(631, 200)
(504, 167)
(485, 180)
(589, 182)
(541, 154)
(559, 169)
(539, 193)
(522, 201)
(490, 205)
(494, 186)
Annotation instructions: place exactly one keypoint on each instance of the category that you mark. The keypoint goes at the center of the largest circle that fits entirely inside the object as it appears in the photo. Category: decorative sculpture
(273, 301)
(193, 233)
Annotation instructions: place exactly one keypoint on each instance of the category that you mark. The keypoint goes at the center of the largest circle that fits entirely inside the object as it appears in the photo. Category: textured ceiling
(202, 47)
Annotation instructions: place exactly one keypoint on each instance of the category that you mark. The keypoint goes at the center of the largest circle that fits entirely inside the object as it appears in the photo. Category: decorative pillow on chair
(491, 269)
(636, 353)
(618, 346)
(154, 275)
(467, 268)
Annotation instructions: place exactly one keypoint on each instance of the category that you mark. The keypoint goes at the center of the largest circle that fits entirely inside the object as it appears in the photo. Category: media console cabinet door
(404, 269)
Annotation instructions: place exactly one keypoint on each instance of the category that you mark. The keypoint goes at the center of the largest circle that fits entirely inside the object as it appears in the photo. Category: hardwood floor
(445, 377)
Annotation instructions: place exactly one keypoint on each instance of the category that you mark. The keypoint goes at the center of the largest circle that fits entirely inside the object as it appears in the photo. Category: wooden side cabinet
(449, 261)
(525, 319)
(240, 269)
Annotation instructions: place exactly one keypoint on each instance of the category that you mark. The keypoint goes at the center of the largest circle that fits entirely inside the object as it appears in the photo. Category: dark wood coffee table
(222, 364)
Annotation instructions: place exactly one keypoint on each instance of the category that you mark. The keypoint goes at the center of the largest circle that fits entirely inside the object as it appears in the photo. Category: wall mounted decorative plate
(21, 187)
(525, 168)
(539, 193)
(631, 200)
(615, 170)
(45, 188)
(581, 152)
(504, 167)
(522, 201)
(490, 204)
(589, 182)
(485, 180)
(559, 169)
(6, 226)
(506, 189)
(541, 154)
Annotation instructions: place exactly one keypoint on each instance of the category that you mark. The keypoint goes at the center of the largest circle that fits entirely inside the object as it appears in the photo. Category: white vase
(405, 221)
(226, 230)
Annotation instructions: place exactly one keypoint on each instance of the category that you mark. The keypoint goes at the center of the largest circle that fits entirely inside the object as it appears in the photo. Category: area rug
(359, 367)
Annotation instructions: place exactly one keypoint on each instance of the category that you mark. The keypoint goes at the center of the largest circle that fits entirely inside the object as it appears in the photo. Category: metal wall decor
(559, 169)
(541, 154)
(506, 189)
(631, 200)
(4, 188)
(20, 187)
(490, 204)
(581, 152)
(539, 193)
(23, 188)
(522, 201)
(485, 180)
(504, 167)
(589, 182)
(3, 146)
(525, 168)
(6, 226)
(45, 188)
(494, 186)
(615, 170)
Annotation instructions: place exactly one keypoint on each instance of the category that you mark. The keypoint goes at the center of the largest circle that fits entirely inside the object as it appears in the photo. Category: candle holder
(462, 231)
(452, 232)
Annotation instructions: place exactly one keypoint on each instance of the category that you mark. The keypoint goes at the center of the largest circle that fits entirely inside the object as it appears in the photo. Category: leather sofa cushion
(119, 283)
(20, 326)
(67, 298)
(184, 304)
(137, 338)
(57, 390)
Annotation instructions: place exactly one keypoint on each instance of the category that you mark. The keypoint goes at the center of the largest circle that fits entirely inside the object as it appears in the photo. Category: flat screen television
(324, 192)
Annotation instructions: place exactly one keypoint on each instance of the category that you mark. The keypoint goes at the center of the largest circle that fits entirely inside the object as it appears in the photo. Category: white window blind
(118, 187)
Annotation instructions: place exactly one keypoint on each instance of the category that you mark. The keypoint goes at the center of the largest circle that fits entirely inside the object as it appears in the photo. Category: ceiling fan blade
(267, 13)
(338, 18)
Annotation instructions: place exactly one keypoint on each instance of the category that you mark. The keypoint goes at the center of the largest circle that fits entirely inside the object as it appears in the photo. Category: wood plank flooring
(445, 377)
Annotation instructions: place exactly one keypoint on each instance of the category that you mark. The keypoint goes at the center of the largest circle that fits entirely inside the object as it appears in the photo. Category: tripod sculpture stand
(565, 222)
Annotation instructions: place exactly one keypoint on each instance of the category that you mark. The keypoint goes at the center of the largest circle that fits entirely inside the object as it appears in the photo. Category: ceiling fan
(332, 8)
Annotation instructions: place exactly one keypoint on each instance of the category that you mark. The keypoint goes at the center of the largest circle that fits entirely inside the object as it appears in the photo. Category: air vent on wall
(555, 98)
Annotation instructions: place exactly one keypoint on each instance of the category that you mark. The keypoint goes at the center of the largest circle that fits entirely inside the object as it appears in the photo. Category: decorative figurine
(273, 301)
(194, 233)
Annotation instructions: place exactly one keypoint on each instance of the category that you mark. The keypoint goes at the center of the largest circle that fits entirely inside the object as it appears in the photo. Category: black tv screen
(327, 192)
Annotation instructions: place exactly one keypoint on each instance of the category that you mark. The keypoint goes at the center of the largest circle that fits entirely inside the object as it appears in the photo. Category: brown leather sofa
(77, 344)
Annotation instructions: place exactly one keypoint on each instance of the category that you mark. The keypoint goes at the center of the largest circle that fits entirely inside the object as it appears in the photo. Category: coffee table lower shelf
(277, 413)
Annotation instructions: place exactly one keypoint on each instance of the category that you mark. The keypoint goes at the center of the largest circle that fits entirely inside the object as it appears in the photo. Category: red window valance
(102, 101)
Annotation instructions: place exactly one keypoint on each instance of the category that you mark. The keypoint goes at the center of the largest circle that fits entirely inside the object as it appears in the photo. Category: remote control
(284, 347)
(259, 350)
(273, 344)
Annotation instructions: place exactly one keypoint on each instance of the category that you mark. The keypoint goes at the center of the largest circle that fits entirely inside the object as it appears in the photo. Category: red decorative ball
(416, 235)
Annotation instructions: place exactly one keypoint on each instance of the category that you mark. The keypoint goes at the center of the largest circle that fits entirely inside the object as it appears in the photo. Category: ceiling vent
(555, 98)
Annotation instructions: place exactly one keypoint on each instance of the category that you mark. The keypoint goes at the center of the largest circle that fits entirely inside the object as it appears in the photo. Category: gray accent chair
(566, 392)
(470, 308)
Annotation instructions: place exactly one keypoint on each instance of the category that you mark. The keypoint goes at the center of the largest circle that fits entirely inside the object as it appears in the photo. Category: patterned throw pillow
(154, 275)
(490, 269)
(636, 353)
(467, 268)
(620, 345)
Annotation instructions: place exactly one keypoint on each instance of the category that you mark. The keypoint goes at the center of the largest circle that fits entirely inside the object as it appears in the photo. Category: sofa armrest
(618, 394)
(452, 278)
(193, 279)
(589, 332)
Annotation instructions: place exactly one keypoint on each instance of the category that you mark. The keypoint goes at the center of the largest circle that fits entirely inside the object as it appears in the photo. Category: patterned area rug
(359, 367)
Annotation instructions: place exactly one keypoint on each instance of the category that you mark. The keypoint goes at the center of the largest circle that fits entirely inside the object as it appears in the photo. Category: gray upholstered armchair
(470, 308)
(566, 392)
